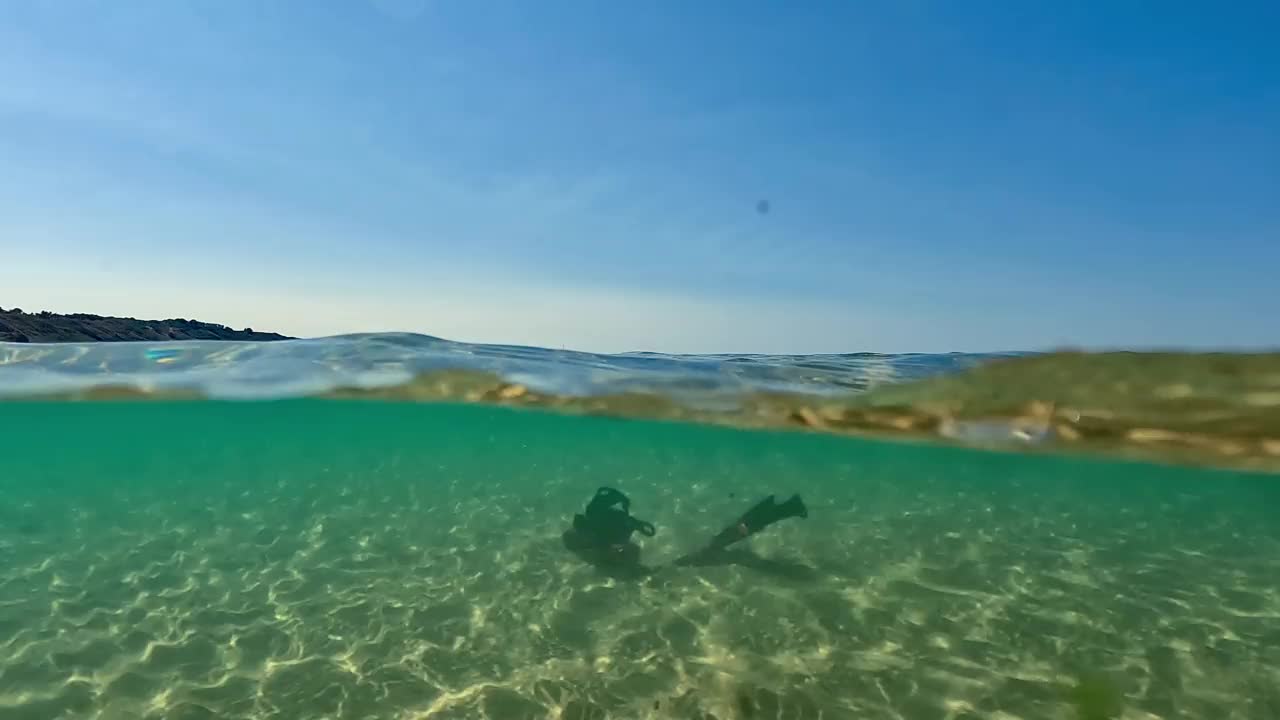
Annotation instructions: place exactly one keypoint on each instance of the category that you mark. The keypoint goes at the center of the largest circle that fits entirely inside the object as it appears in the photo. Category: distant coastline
(48, 327)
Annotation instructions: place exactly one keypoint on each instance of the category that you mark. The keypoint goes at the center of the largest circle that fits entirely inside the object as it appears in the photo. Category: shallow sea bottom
(348, 559)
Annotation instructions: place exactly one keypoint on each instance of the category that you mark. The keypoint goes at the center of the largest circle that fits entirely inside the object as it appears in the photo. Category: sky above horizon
(971, 176)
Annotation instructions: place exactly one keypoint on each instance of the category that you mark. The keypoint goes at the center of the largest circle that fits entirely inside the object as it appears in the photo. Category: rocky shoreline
(48, 327)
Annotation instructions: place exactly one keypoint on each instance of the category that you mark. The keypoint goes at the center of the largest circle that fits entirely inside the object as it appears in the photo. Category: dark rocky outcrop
(47, 327)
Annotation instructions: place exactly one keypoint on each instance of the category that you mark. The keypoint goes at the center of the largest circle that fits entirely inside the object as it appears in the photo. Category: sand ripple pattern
(404, 592)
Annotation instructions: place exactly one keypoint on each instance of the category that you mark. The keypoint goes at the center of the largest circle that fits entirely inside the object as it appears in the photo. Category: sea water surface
(370, 527)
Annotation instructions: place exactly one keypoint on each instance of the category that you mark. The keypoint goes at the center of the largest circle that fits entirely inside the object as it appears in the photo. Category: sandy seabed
(199, 575)
(348, 605)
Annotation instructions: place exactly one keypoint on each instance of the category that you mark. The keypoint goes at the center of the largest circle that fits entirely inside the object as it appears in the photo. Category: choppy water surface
(311, 366)
(1202, 408)
(390, 545)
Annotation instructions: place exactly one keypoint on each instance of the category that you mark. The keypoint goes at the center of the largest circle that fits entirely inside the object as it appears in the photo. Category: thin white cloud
(42, 87)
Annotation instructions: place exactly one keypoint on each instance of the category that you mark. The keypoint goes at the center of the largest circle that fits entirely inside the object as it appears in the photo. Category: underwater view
(400, 527)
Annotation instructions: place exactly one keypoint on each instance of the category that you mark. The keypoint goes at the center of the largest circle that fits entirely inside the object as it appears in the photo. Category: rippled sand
(257, 567)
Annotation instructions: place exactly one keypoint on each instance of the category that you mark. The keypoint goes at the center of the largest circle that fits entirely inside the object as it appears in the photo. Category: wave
(1220, 409)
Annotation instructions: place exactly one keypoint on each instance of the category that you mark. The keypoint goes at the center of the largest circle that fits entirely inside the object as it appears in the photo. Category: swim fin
(765, 513)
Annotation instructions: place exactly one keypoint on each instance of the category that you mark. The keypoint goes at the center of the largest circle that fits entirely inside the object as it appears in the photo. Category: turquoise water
(324, 558)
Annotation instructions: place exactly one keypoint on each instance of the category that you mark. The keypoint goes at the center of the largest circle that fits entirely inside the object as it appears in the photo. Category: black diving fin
(763, 514)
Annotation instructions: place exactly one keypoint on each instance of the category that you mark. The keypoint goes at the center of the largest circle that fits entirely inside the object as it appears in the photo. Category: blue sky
(941, 176)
